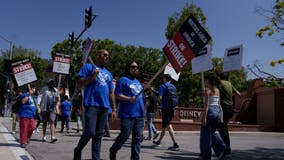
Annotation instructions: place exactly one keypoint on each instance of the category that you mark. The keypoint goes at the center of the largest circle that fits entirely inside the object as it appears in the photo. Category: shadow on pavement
(259, 153)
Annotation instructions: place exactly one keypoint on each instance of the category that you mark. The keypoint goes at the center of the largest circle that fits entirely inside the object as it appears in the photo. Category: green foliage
(38, 64)
(275, 19)
(177, 19)
(19, 52)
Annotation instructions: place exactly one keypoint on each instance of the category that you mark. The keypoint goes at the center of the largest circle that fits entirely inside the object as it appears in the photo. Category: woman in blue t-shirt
(131, 110)
(27, 113)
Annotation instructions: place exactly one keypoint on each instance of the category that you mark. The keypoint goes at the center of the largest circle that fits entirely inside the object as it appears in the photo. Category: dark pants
(95, 119)
(223, 127)
(65, 121)
(128, 125)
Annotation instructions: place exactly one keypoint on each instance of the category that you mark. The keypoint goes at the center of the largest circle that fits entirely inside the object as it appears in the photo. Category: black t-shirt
(16, 105)
(152, 99)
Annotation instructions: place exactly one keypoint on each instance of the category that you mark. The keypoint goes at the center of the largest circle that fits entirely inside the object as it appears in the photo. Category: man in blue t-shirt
(167, 112)
(131, 110)
(98, 97)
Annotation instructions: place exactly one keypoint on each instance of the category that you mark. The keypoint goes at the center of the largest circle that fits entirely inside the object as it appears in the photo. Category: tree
(38, 64)
(149, 59)
(274, 17)
(20, 52)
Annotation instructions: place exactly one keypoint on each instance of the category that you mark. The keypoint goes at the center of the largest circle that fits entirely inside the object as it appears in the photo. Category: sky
(39, 25)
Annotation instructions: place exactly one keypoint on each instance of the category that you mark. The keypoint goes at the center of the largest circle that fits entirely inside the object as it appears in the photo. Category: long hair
(213, 80)
(127, 67)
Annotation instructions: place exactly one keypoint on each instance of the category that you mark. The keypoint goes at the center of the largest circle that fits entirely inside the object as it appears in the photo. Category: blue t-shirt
(130, 87)
(97, 92)
(27, 110)
(66, 107)
(165, 95)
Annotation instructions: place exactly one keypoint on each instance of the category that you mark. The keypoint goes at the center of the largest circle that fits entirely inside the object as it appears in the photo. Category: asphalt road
(245, 145)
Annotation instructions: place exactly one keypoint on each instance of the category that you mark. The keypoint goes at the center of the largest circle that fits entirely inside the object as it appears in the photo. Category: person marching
(151, 105)
(27, 114)
(167, 111)
(98, 97)
(211, 117)
(131, 111)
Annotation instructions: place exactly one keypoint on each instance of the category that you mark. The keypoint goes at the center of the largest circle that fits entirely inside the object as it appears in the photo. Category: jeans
(208, 137)
(151, 128)
(128, 125)
(65, 120)
(95, 118)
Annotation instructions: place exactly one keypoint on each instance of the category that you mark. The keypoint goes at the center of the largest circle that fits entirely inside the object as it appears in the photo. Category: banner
(87, 50)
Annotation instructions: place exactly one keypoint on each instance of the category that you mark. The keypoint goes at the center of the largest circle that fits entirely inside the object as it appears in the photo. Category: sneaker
(175, 147)
(156, 135)
(227, 151)
(37, 130)
(23, 145)
(222, 155)
(107, 135)
(77, 155)
(142, 138)
(53, 139)
(44, 139)
(156, 143)
(148, 138)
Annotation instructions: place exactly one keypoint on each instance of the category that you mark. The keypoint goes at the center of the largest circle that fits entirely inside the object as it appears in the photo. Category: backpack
(173, 97)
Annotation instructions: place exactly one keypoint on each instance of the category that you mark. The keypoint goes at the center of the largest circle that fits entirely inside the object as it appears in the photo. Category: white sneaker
(37, 130)
(44, 138)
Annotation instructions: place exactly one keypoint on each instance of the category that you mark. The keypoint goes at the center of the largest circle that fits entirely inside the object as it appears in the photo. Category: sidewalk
(9, 148)
(245, 145)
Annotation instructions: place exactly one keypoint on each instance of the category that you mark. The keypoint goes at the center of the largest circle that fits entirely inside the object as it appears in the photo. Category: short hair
(222, 75)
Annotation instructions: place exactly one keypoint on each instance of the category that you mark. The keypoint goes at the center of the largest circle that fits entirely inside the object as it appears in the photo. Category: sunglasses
(134, 67)
(105, 55)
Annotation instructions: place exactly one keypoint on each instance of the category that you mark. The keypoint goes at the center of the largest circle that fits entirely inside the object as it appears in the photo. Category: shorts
(167, 116)
(48, 116)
